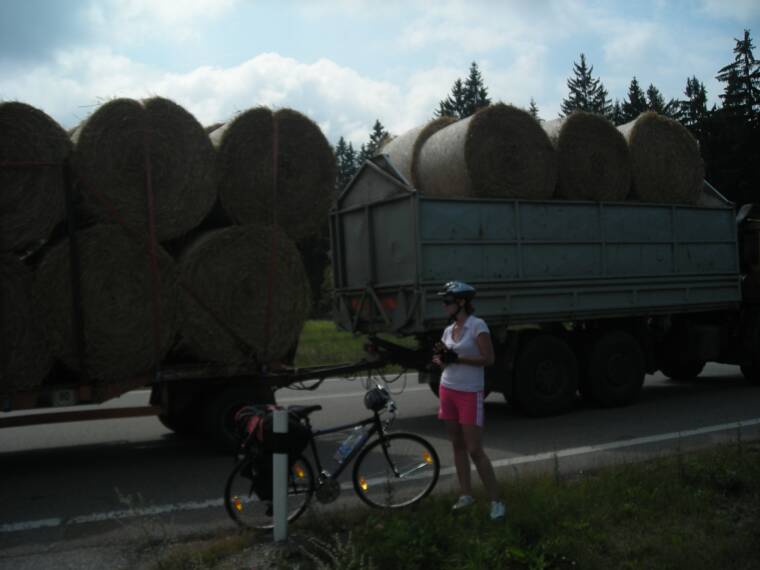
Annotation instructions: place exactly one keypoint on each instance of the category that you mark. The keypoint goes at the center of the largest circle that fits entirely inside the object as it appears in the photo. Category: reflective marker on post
(280, 480)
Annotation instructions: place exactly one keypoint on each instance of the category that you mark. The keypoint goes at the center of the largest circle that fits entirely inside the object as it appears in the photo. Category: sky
(346, 63)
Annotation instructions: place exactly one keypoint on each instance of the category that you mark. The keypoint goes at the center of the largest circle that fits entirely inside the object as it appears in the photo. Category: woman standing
(463, 353)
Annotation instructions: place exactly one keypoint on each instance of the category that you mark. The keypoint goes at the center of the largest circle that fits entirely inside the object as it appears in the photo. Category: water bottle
(349, 444)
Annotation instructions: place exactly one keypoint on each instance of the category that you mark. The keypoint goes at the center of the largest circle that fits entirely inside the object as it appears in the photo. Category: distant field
(322, 343)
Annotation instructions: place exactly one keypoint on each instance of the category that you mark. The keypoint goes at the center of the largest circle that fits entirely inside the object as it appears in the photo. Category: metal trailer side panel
(532, 262)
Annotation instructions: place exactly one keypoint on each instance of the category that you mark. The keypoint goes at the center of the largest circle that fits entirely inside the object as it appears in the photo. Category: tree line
(729, 134)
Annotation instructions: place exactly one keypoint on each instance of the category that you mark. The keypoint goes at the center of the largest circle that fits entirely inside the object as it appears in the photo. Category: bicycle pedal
(328, 491)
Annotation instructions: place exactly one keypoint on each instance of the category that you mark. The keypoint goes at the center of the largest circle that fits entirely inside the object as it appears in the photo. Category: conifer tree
(376, 138)
(345, 159)
(616, 115)
(692, 111)
(533, 109)
(635, 103)
(741, 96)
(586, 93)
(466, 97)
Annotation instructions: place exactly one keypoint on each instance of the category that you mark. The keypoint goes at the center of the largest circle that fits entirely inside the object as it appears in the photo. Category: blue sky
(346, 63)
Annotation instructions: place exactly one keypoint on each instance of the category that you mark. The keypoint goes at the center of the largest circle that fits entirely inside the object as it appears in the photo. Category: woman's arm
(486, 357)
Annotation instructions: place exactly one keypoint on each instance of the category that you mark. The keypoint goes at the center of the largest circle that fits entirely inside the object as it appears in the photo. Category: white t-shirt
(465, 377)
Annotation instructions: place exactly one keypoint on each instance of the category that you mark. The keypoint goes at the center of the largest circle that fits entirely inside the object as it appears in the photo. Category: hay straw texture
(239, 274)
(499, 152)
(117, 303)
(31, 198)
(122, 141)
(593, 158)
(666, 166)
(305, 176)
(404, 150)
(25, 358)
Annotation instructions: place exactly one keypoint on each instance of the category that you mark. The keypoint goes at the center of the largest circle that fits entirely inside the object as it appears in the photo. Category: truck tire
(616, 369)
(219, 414)
(546, 378)
(751, 373)
(185, 423)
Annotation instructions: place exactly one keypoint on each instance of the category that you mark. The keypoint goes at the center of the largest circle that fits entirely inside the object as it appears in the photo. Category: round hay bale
(32, 199)
(117, 303)
(666, 165)
(25, 358)
(593, 158)
(404, 150)
(305, 176)
(123, 141)
(499, 152)
(245, 295)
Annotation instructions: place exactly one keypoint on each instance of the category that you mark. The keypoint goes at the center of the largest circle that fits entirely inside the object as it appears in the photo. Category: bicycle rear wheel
(248, 510)
(396, 471)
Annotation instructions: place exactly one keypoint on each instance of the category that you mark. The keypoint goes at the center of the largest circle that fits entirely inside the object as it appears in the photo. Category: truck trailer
(580, 297)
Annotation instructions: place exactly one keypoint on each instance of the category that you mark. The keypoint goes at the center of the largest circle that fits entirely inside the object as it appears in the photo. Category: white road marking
(448, 471)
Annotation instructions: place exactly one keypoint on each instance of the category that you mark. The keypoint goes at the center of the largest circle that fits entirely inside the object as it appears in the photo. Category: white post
(280, 483)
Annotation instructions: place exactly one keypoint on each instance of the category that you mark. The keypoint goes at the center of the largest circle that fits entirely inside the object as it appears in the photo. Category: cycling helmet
(458, 290)
(376, 399)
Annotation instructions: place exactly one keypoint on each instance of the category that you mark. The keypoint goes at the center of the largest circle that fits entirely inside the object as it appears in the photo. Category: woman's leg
(461, 458)
(473, 440)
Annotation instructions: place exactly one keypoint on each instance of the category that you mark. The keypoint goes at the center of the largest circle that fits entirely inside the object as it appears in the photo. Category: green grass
(322, 343)
(695, 511)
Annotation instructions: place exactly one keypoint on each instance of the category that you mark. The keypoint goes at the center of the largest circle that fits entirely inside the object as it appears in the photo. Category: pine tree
(692, 111)
(656, 102)
(742, 77)
(475, 91)
(345, 159)
(635, 104)
(376, 138)
(586, 93)
(466, 97)
(454, 104)
(616, 116)
(533, 109)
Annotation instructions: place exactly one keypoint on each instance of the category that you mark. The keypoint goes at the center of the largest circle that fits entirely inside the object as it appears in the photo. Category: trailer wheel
(220, 413)
(185, 423)
(546, 378)
(616, 369)
(751, 373)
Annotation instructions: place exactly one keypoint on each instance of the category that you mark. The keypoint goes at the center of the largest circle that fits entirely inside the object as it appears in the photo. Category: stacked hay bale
(129, 321)
(246, 294)
(499, 152)
(25, 358)
(666, 164)
(275, 167)
(128, 149)
(32, 150)
(593, 158)
(404, 151)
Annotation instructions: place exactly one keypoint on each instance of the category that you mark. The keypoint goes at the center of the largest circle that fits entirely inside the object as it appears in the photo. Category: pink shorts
(463, 407)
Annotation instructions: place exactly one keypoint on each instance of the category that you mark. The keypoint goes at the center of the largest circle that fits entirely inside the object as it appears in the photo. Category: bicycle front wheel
(396, 471)
(247, 495)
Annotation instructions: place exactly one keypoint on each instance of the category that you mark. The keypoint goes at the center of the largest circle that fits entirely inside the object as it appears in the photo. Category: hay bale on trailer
(592, 156)
(499, 152)
(666, 165)
(25, 359)
(118, 312)
(297, 192)
(31, 185)
(245, 295)
(127, 145)
(404, 150)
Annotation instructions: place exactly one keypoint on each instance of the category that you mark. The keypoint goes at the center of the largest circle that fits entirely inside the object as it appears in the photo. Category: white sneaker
(462, 503)
(498, 510)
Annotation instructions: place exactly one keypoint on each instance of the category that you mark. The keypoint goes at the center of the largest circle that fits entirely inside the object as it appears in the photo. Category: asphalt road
(101, 493)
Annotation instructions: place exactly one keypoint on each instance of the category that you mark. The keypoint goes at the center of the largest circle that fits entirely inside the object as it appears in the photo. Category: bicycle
(390, 471)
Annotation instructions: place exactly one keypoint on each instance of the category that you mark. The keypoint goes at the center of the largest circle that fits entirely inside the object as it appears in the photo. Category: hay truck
(579, 296)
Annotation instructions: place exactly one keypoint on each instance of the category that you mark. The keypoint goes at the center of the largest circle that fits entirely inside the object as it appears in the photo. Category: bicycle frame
(377, 428)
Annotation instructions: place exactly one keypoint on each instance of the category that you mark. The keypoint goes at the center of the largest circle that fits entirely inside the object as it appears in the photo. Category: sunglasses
(448, 302)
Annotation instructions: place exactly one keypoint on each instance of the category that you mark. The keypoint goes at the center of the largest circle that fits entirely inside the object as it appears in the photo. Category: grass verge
(695, 511)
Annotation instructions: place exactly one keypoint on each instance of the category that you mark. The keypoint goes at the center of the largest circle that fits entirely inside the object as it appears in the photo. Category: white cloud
(338, 98)
(740, 10)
